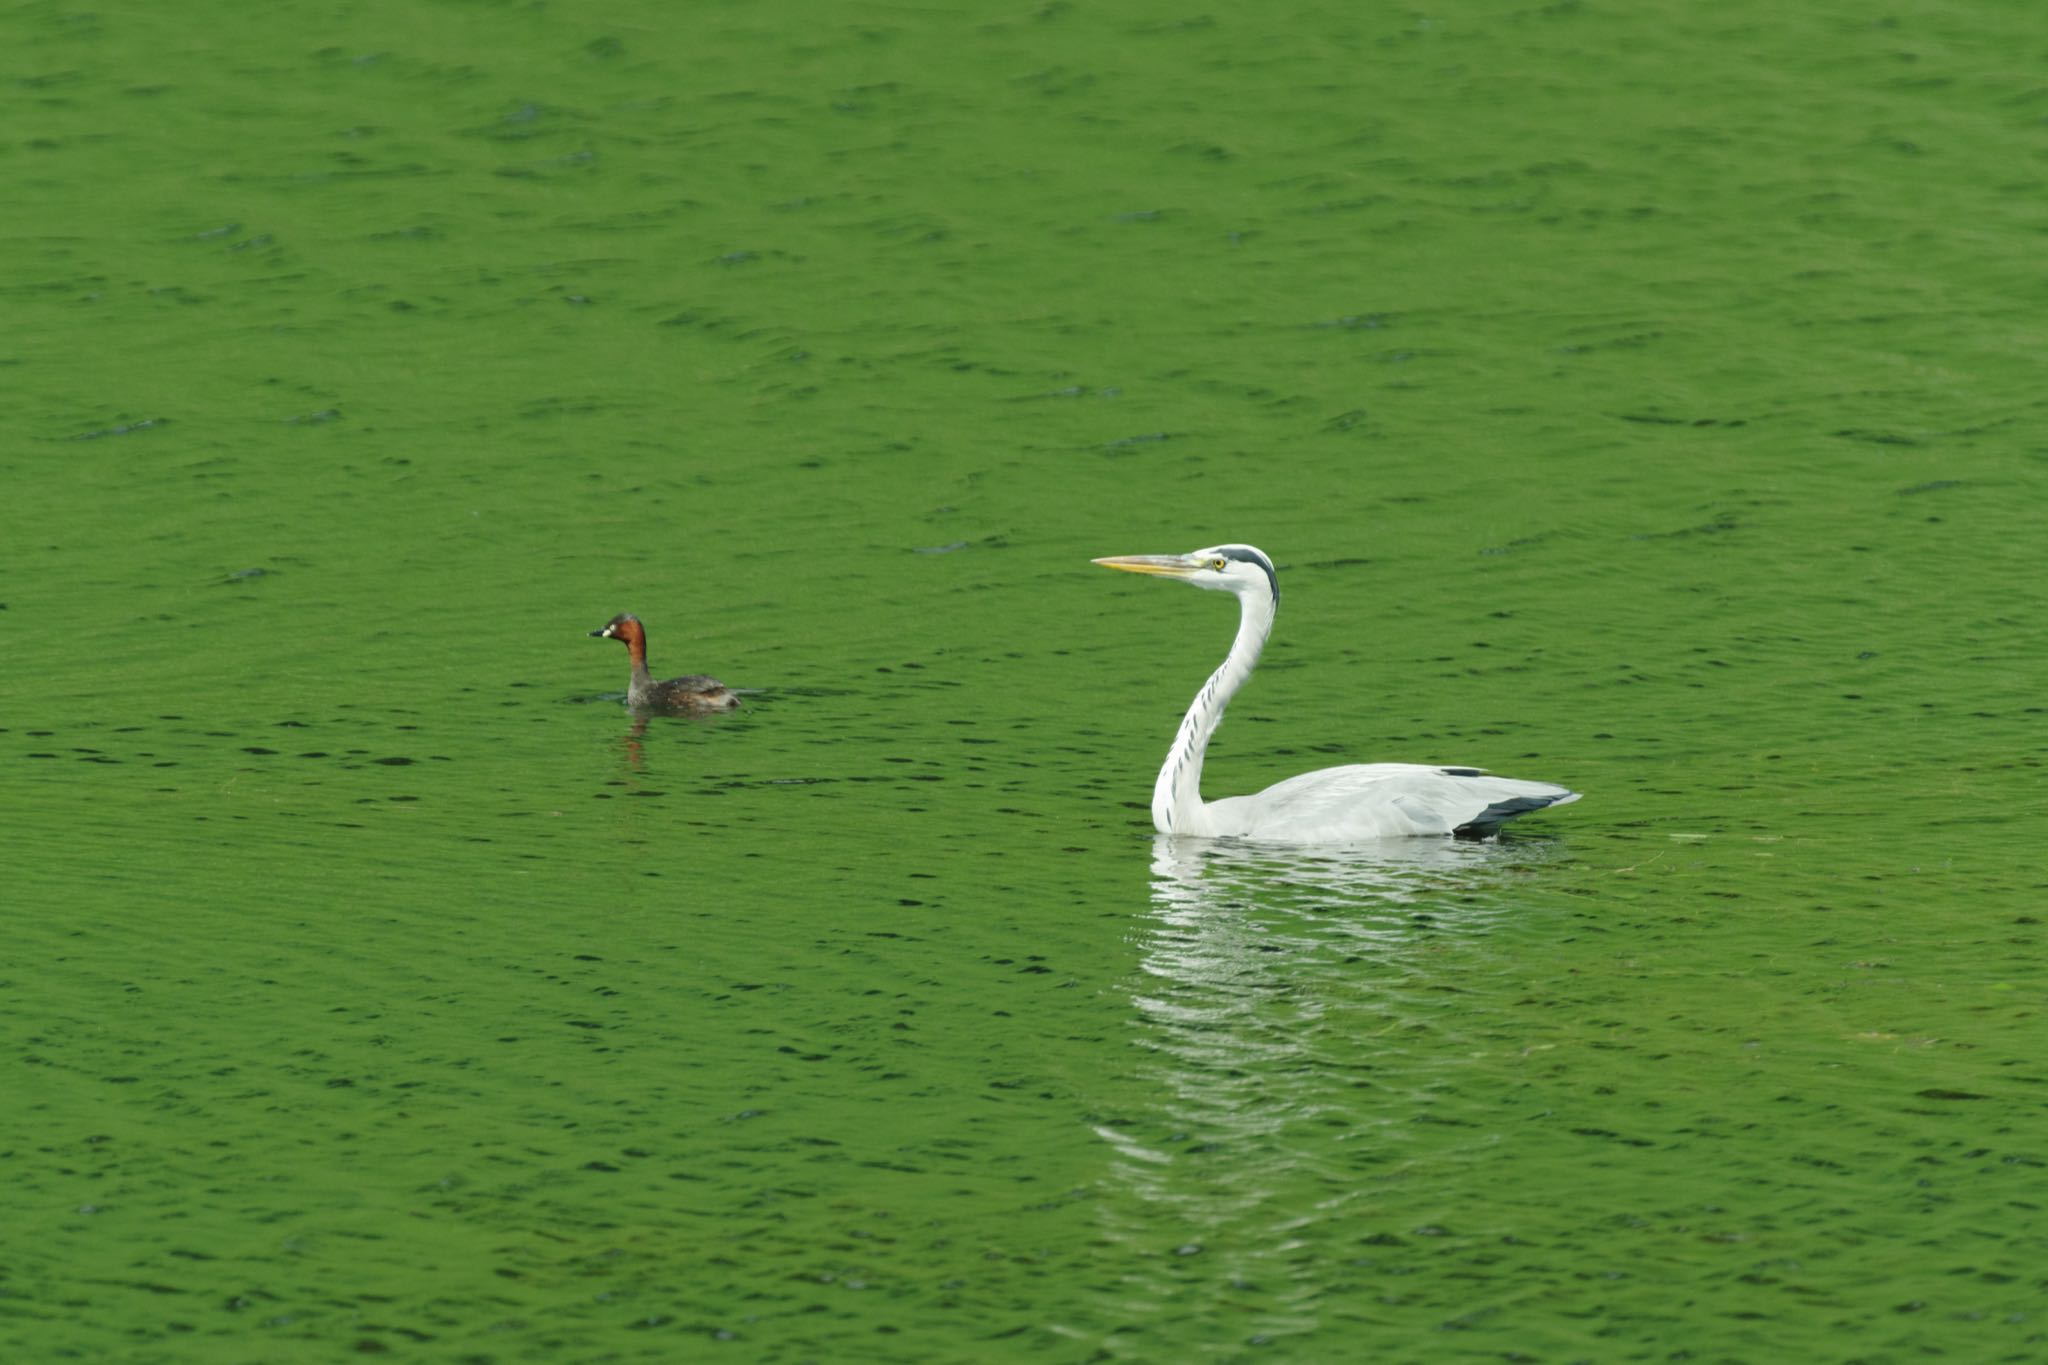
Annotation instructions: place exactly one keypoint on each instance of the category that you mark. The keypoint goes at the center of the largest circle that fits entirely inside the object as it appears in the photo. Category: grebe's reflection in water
(1296, 1010)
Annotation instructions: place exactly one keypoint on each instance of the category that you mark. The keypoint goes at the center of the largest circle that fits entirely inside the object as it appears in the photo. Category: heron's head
(1230, 568)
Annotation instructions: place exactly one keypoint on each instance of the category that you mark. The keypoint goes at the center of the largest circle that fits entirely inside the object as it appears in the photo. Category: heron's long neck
(1177, 795)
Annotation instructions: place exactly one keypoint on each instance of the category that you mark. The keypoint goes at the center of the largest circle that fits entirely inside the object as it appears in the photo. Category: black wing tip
(1499, 813)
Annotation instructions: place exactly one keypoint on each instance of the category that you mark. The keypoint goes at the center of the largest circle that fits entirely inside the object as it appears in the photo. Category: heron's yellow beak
(1172, 566)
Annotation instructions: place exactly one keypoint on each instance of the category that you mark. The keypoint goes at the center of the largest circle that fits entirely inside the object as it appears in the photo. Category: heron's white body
(1331, 805)
(1366, 801)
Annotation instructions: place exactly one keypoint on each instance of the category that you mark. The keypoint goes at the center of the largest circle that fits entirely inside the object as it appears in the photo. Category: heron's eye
(1217, 563)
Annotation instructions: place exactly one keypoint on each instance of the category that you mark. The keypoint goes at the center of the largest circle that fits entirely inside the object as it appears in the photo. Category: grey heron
(1331, 805)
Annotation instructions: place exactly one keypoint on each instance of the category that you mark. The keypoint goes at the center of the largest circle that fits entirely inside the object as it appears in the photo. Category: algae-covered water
(1641, 398)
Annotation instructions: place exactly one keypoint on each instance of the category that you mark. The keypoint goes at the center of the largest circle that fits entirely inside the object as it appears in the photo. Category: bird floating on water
(1331, 805)
(692, 695)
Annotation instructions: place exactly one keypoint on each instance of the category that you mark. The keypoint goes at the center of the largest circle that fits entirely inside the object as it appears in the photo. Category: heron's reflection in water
(1290, 1017)
(1236, 921)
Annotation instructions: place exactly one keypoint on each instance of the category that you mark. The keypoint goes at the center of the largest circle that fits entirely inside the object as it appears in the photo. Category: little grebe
(690, 695)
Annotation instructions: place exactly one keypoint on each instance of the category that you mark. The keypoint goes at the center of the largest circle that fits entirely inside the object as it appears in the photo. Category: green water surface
(1645, 398)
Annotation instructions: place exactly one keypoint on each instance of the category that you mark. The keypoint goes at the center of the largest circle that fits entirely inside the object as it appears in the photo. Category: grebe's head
(1229, 568)
(625, 626)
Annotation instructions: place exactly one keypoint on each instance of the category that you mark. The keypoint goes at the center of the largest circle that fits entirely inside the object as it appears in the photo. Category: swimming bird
(692, 695)
(1331, 805)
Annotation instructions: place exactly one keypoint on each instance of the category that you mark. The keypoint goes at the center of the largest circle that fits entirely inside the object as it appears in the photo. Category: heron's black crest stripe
(1500, 812)
(1462, 772)
(1246, 554)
